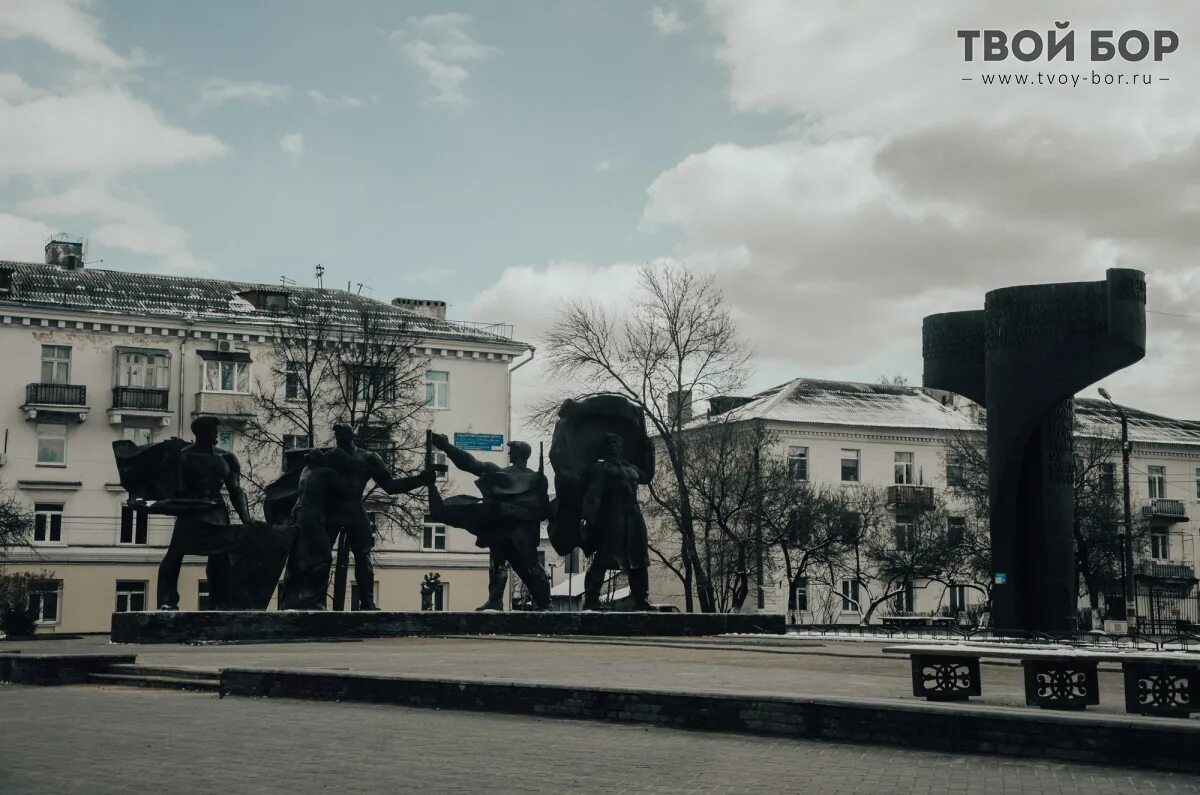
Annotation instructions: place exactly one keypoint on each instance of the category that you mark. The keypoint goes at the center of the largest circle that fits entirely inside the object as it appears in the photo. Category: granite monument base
(299, 625)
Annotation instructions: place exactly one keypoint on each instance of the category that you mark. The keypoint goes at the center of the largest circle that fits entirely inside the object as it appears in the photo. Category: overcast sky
(826, 160)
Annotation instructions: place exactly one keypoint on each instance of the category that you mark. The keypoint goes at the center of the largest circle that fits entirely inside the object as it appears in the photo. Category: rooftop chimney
(66, 252)
(680, 402)
(422, 306)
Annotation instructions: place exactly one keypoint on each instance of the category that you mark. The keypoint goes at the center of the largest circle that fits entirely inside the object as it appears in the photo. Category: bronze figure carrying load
(601, 454)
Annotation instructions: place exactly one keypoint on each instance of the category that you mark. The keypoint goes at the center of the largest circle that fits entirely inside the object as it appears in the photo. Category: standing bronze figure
(613, 530)
(185, 481)
(322, 500)
(601, 454)
(507, 520)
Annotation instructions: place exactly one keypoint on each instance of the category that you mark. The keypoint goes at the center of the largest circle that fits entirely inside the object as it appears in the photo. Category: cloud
(95, 131)
(324, 102)
(217, 92)
(901, 190)
(666, 20)
(66, 26)
(80, 144)
(132, 224)
(439, 45)
(292, 144)
(898, 190)
(22, 239)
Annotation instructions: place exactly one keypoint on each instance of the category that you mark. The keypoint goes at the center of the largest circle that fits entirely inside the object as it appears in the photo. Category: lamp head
(1104, 394)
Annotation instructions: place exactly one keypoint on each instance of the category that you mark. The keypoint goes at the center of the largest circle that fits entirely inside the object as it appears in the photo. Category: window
(47, 522)
(956, 530)
(1157, 481)
(433, 537)
(797, 463)
(52, 443)
(275, 302)
(437, 383)
(133, 525)
(851, 526)
(440, 459)
(906, 536)
(295, 441)
(138, 435)
(143, 370)
(222, 376)
(373, 384)
(850, 461)
(225, 440)
(906, 598)
(202, 596)
(956, 472)
(904, 468)
(292, 381)
(957, 595)
(56, 364)
(131, 596)
(800, 594)
(44, 599)
(1108, 477)
(849, 596)
(1160, 543)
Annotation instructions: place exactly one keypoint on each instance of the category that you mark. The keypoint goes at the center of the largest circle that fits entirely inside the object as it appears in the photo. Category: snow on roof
(99, 291)
(818, 402)
(1101, 418)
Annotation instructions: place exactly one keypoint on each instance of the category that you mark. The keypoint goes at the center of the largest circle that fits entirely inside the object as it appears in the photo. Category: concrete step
(166, 682)
(163, 670)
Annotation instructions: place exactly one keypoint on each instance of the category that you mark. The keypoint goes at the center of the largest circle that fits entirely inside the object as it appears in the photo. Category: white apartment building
(848, 433)
(92, 356)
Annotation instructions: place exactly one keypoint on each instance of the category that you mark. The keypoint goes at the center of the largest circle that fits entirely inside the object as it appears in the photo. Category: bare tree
(676, 344)
(329, 364)
(16, 524)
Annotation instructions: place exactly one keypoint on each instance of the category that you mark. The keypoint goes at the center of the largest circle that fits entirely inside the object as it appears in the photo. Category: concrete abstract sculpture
(1023, 357)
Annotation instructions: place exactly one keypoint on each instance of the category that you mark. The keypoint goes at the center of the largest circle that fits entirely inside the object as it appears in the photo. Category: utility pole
(1126, 539)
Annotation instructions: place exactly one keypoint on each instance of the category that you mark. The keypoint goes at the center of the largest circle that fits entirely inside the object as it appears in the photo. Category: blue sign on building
(479, 441)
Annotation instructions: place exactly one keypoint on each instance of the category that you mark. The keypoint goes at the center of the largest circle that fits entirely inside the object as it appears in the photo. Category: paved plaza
(100, 740)
(777, 666)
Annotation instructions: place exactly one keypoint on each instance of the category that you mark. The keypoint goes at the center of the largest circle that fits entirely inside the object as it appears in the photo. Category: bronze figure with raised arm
(507, 520)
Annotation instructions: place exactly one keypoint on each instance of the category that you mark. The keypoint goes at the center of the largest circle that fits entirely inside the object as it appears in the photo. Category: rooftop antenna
(362, 285)
(320, 269)
(287, 281)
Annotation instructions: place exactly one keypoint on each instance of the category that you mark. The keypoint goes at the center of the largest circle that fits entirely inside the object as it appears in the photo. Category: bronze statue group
(600, 454)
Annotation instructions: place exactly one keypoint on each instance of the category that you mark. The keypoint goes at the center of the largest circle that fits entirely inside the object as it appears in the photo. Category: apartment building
(92, 356)
(846, 434)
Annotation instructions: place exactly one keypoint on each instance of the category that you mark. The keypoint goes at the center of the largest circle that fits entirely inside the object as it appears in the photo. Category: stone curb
(1156, 743)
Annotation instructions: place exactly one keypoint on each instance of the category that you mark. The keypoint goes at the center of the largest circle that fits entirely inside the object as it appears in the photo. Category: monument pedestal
(233, 626)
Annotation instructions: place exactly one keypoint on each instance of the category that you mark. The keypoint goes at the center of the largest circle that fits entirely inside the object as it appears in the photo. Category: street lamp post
(1126, 540)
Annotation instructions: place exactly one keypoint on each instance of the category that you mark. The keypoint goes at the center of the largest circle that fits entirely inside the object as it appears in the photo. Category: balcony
(229, 406)
(128, 401)
(1165, 509)
(911, 497)
(57, 399)
(1179, 570)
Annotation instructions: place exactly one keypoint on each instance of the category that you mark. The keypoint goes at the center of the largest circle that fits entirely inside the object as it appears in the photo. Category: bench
(1164, 684)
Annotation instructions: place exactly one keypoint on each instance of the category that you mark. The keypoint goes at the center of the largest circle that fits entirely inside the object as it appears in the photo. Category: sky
(827, 162)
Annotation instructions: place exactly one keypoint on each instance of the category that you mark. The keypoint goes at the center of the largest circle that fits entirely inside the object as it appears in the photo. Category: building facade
(900, 439)
(93, 356)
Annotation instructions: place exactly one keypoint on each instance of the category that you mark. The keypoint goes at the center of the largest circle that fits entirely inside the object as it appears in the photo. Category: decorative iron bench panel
(945, 677)
(1155, 688)
(1061, 682)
